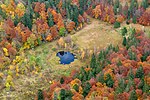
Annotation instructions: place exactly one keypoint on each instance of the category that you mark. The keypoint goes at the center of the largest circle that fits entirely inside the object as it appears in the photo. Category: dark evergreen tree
(144, 4)
(28, 16)
(62, 94)
(40, 95)
(116, 24)
(102, 55)
(98, 68)
(81, 11)
(52, 3)
(132, 55)
(117, 3)
(64, 4)
(76, 87)
(146, 88)
(115, 9)
(124, 43)
(145, 55)
(101, 78)
(116, 6)
(129, 85)
(81, 3)
(130, 74)
(37, 15)
(134, 19)
(47, 4)
(139, 72)
(132, 5)
(133, 95)
(119, 63)
(69, 13)
(86, 89)
(27, 21)
(68, 95)
(109, 81)
(61, 80)
(123, 31)
(89, 2)
(16, 20)
(128, 15)
(121, 86)
(50, 20)
(90, 75)
(75, 14)
(93, 61)
(141, 85)
(2, 14)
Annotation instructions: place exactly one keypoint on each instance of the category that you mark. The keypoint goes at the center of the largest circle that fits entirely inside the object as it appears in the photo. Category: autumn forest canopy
(116, 72)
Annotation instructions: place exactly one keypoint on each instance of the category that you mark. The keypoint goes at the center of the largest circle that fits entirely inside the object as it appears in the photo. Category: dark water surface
(65, 57)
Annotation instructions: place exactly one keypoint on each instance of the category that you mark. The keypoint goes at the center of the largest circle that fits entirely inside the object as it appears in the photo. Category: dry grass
(97, 34)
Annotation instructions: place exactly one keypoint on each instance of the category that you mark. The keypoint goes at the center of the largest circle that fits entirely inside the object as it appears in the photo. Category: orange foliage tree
(145, 18)
(120, 19)
(54, 31)
(60, 23)
(70, 26)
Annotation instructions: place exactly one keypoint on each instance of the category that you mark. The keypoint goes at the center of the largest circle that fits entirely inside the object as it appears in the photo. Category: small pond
(65, 57)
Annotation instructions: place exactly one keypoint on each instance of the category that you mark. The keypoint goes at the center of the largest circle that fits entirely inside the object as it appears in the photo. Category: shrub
(62, 31)
(116, 25)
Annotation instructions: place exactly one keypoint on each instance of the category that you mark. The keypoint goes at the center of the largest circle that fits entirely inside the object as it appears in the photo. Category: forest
(32, 32)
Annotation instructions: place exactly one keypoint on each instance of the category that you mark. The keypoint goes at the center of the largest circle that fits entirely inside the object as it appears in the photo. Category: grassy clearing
(97, 34)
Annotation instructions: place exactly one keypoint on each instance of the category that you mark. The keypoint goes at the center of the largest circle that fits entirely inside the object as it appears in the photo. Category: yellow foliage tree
(20, 9)
(5, 52)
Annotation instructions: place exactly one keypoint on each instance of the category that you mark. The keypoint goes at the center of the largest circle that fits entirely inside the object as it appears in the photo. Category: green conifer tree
(124, 43)
(101, 78)
(130, 74)
(2, 13)
(123, 31)
(86, 89)
(139, 72)
(109, 81)
(133, 95)
(40, 95)
(144, 4)
(50, 20)
(116, 24)
(76, 87)
(134, 19)
(93, 61)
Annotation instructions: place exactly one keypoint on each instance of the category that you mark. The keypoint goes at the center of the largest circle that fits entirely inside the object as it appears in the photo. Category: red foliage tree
(54, 31)
(70, 26)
